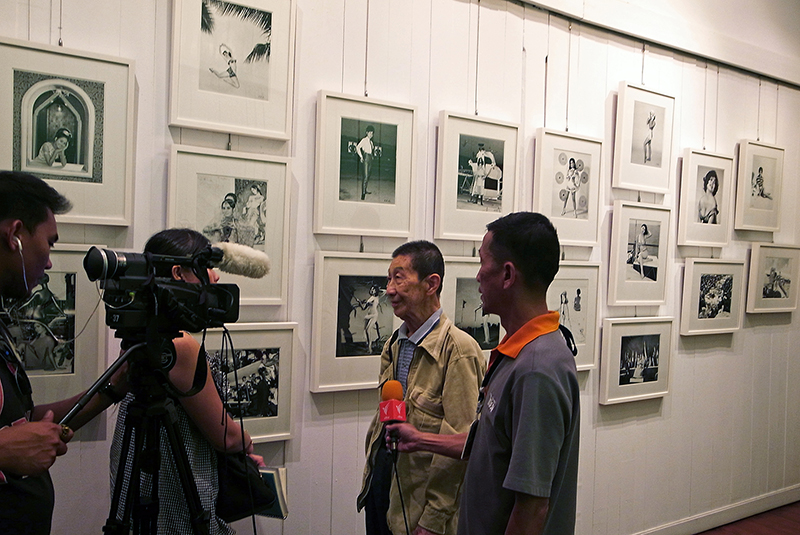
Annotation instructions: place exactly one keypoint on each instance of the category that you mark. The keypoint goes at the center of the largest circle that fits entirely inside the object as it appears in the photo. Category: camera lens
(103, 263)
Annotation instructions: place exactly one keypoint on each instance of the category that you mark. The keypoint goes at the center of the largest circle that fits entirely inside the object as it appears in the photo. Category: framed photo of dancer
(365, 158)
(566, 184)
(232, 65)
(713, 291)
(475, 176)
(69, 120)
(352, 320)
(235, 197)
(773, 272)
(706, 192)
(758, 188)
(636, 359)
(643, 139)
(258, 383)
(640, 242)
(574, 293)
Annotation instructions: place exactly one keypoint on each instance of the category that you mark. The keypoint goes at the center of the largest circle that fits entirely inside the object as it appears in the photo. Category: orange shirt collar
(544, 324)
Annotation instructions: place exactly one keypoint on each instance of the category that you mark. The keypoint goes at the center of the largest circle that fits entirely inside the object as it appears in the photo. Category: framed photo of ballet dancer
(364, 166)
(352, 320)
(773, 272)
(235, 197)
(640, 244)
(475, 176)
(707, 185)
(574, 294)
(257, 382)
(758, 186)
(232, 65)
(643, 139)
(566, 184)
(713, 291)
(68, 119)
(636, 359)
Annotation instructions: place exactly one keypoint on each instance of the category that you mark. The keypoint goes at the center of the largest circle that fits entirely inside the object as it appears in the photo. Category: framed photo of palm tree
(232, 66)
(773, 273)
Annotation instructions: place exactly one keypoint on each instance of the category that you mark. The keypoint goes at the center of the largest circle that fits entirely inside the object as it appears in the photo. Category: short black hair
(711, 174)
(175, 242)
(370, 128)
(529, 241)
(426, 259)
(27, 198)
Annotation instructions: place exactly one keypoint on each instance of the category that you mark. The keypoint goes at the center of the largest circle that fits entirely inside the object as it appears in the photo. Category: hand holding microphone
(392, 408)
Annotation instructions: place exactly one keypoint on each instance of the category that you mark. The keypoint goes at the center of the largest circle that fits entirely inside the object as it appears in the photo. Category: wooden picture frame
(758, 190)
(713, 291)
(574, 293)
(707, 184)
(773, 275)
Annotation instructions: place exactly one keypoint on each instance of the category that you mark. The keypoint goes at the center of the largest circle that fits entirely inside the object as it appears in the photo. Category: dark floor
(781, 521)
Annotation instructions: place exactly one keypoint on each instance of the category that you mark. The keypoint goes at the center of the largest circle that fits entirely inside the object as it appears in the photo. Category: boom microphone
(242, 260)
(392, 407)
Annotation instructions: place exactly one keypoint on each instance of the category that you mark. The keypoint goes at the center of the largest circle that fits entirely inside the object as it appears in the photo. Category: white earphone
(19, 243)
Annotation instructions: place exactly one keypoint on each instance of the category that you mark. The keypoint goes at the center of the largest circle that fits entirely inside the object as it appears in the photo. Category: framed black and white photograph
(257, 383)
(353, 319)
(640, 241)
(69, 120)
(773, 272)
(643, 139)
(232, 66)
(566, 184)
(574, 294)
(713, 291)
(475, 176)
(365, 156)
(758, 190)
(235, 197)
(636, 359)
(706, 191)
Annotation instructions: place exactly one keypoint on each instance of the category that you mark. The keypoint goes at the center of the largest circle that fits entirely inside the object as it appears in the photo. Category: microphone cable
(399, 489)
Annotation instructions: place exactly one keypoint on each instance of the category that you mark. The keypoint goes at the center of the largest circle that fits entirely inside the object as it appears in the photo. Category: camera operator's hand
(31, 448)
(258, 459)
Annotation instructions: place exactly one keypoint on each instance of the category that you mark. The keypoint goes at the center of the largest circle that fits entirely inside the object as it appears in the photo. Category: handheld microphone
(392, 406)
(242, 260)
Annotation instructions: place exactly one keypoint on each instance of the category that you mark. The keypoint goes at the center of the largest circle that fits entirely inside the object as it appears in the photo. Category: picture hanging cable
(716, 112)
(477, 55)
(60, 21)
(644, 50)
(758, 116)
(546, 65)
(229, 141)
(569, 70)
(705, 101)
(366, 51)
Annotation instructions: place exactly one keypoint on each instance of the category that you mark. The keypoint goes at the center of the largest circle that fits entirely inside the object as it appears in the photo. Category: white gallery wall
(725, 441)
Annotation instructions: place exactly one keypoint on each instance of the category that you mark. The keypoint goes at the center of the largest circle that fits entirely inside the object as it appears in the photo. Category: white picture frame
(578, 309)
(705, 217)
(217, 193)
(640, 246)
(772, 281)
(568, 195)
(713, 291)
(343, 203)
(469, 195)
(759, 182)
(238, 77)
(643, 139)
(636, 359)
(86, 100)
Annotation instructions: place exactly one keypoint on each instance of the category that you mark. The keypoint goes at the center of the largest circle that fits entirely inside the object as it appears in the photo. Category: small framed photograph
(635, 362)
(258, 383)
(353, 319)
(574, 294)
(567, 184)
(758, 189)
(232, 65)
(643, 139)
(59, 329)
(773, 272)
(639, 247)
(365, 158)
(706, 191)
(235, 197)
(69, 120)
(475, 176)
(712, 296)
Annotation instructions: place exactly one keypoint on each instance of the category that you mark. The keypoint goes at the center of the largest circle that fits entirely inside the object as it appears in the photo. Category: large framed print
(706, 191)
(566, 184)
(235, 197)
(643, 139)
(352, 320)
(574, 294)
(258, 384)
(59, 330)
(636, 359)
(475, 176)
(232, 65)
(69, 120)
(773, 272)
(640, 242)
(758, 189)
(365, 158)
(713, 291)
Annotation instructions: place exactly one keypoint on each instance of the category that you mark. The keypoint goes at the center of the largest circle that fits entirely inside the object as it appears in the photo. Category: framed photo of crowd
(773, 272)
(707, 186)
(713, 291)
(758, 190)
(574, 294)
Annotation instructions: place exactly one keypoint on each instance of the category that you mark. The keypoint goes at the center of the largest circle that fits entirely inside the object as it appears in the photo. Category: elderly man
(440, 368)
